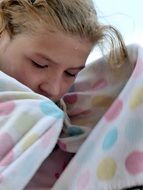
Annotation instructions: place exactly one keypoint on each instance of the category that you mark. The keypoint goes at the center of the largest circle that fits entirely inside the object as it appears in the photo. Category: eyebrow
(52, 61)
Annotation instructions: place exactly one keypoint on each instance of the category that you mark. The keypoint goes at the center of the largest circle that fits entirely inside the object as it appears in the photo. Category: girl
(47, 42)
(43, 47)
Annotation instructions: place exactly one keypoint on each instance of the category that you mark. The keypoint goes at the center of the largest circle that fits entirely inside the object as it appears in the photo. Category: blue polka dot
(74, 131)
(134, 130)
(110, 139)
(51, 109)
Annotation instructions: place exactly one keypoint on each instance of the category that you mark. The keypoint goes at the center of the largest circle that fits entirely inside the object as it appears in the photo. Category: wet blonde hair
(74, 17)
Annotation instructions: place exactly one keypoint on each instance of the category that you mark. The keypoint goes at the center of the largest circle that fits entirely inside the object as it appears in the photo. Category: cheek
(23, 78)
(67, 85)
(26, 77)
(20, 69)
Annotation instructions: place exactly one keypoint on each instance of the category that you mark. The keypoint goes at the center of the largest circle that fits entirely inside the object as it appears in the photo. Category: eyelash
(41, 67)
(70, 75)
(38, 65)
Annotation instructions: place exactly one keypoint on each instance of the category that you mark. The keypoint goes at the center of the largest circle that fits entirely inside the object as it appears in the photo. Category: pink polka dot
(134, 162)
(48, 137)
(62, 145)
(8, 159)
(70, 98)
(6, 143)
(114, 110)
(99, 84)
(6, 108)
(83, 180)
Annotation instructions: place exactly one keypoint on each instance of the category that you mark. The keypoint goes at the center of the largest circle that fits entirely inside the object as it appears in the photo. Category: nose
(51, 89)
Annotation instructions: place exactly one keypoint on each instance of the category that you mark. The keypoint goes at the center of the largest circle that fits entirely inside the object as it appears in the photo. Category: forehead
(56, 36)
(63, 47)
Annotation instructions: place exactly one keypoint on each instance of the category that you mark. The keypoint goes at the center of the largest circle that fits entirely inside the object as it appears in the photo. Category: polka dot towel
(30, 125)
(111, 104)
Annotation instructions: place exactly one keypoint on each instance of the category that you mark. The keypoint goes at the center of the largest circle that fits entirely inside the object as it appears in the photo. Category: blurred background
(125, 15)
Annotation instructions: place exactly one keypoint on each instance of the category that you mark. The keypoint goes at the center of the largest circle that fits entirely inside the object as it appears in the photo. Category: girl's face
(47, 62)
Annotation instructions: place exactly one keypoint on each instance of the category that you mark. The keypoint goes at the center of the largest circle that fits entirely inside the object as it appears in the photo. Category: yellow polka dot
(106, 170)
(82, 121)
(104, 101)
(25, 95)
(136, 98)
(28, 141)
(25, 122)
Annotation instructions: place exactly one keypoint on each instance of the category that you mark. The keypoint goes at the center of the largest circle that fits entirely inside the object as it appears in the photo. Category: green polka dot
(25, 122)
(134, 130)
(106, 169)
(102, 101)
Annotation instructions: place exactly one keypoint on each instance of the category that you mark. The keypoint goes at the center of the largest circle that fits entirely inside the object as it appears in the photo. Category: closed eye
(38, 65)
(71, 74)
